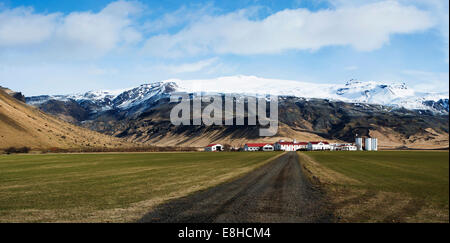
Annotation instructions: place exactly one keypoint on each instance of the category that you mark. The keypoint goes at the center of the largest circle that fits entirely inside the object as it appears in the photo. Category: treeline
(14, 150)
(121, 149)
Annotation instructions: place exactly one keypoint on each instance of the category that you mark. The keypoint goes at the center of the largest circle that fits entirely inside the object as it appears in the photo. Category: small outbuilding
(214, 148)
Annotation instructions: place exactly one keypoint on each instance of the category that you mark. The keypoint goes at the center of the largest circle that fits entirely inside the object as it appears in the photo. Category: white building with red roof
(213, 147)
(258, 147)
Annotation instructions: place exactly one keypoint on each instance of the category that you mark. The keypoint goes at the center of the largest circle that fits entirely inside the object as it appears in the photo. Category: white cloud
(21, 26)
(181, 16)
(427, 81)
(74, 50)
(190, 67)
(441, 14)
(87, 34)
(439, 10)
(102, 31)
(80, 33)
(366, 28)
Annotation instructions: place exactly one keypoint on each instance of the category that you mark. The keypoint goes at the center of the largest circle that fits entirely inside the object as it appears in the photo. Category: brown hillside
(236, 138)
(302, 120)
(23, 125)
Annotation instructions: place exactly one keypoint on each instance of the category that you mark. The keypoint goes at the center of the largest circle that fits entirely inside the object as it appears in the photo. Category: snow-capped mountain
(118, 99)
(144, 93)
(354, 91)
(331, 111)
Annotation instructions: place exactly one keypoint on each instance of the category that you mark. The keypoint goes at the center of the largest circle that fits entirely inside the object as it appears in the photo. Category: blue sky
(59, 47)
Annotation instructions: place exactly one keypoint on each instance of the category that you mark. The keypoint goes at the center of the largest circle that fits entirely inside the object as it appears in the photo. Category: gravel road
(275, 192)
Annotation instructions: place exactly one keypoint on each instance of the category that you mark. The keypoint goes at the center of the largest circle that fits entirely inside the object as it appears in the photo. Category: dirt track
(275, 192)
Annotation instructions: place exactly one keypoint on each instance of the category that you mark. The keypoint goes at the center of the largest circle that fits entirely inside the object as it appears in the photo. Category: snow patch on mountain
(143, 93)
(99, 95)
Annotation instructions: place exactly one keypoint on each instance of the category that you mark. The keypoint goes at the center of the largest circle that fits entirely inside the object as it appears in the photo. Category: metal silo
(374, 144)
(359, 144)
(368, 144)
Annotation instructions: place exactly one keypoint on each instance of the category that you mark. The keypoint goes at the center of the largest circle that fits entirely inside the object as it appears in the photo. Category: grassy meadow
(384, 186)
(109, 187)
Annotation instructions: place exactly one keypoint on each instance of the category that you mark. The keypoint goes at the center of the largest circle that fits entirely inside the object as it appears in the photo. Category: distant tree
(12, 150)
(24, 150)
(227, 147)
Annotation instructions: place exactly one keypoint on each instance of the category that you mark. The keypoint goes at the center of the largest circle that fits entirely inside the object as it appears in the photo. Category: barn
(258, 147)
(214, 148)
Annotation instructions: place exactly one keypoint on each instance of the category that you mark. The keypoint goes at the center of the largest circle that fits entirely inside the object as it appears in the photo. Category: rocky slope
(24, 125)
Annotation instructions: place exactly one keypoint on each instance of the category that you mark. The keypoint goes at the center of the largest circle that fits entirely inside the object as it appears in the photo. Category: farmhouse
(258, 147)
(213, 148)
(320, 145)
(290, 146)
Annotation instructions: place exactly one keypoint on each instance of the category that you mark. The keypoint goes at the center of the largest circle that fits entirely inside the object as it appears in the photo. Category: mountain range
(399, 116)
(397, 95)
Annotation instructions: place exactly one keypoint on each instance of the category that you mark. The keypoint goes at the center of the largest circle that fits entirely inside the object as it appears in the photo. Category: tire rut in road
(275, 192)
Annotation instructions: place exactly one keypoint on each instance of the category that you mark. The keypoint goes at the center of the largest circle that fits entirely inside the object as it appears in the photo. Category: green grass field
(422, 176)
(108, 187)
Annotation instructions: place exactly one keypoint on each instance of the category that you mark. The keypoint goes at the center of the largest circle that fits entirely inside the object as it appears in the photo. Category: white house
(213, 148)
(346, 147)
(258, 147)
(350, 147)
(320, 145)
(290, 146)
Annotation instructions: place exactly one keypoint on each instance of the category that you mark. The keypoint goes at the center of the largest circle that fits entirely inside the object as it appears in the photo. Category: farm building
(290, 146)
(258, 147)
(320, 145)
(360, 144)
(213, 148)
(343, 147)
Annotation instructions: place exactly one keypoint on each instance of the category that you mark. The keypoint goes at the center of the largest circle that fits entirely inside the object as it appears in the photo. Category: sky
(72, 46)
